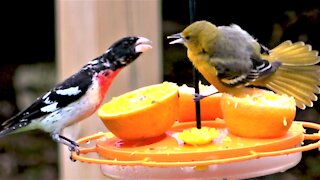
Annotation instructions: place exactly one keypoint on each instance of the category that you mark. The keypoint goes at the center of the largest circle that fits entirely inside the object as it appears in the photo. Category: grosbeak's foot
(74, 148)
(72, 145)
(198, 97)
(71, 158)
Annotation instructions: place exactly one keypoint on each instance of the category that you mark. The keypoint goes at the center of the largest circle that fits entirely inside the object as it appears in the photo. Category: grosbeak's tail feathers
(17, 123)
(79, 96)
(298, 76)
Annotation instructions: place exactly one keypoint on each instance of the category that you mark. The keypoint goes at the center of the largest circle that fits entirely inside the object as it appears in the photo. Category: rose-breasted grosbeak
(79, 96)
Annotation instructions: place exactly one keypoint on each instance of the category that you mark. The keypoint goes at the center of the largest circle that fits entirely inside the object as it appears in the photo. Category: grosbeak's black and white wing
(59, 97)
(79, 96)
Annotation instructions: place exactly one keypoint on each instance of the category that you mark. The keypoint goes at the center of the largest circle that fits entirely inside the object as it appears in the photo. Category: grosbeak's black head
(127, 50)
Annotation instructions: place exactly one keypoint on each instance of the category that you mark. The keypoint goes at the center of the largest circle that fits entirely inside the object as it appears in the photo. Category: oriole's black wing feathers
(63, 94)
(235, 74)
(232, 73)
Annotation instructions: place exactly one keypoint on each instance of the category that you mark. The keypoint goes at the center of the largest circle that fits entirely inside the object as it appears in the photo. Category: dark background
(28, 37)
(271, 22)
(27, 40)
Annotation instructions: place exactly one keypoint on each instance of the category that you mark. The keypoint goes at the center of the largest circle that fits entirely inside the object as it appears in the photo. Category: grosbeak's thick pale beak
(178, 37)
(143, 44)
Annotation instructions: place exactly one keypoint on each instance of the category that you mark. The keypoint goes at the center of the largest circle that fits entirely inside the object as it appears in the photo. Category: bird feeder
(227, 156)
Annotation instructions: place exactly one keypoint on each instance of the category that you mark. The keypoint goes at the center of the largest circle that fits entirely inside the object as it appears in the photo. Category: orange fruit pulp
(209, 107)
(143, 113)
(258, 113)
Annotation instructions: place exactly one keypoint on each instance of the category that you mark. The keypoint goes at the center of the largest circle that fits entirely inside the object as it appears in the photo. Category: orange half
(143, 113)
(209, 107)
(258, 113)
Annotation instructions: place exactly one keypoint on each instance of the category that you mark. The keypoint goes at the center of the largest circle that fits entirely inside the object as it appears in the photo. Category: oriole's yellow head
(197, 37)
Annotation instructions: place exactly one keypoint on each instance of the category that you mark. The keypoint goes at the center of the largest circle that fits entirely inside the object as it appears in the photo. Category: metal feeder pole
(192, 12)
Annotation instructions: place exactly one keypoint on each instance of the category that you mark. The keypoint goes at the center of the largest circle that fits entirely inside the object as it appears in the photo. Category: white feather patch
(94, 62)
(47, 101)
(46, 95)
(50, 108)
(46, 98)
(72, 91)
(235, 80)
(108, 50)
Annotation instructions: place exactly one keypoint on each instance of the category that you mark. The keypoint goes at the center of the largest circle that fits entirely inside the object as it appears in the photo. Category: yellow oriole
(230, 58)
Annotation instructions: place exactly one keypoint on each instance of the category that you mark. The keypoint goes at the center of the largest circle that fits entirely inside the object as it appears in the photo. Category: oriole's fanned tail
(298, 76)
(294, 54)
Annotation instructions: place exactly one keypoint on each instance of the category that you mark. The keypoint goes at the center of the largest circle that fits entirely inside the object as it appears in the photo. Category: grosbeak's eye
(125, 44)
(187, 37)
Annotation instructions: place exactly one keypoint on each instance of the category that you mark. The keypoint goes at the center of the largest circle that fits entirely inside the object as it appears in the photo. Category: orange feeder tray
(228, 156)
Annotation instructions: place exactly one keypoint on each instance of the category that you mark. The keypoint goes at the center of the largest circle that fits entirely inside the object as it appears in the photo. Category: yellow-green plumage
(237, 55)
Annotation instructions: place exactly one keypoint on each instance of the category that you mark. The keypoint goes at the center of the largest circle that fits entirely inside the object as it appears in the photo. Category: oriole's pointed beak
(178, 39)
